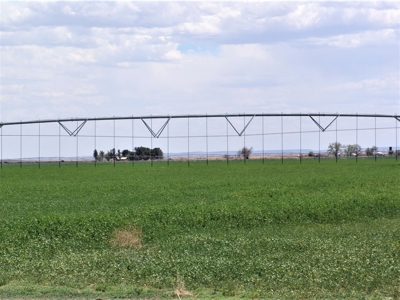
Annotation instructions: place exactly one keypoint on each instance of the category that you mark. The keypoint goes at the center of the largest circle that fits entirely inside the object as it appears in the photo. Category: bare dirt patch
(129, 236)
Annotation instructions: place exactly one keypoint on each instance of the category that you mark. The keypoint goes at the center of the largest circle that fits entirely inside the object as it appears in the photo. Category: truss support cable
(156, 135)
(207, 139)
(114, 145)
(319, 125)
(336, 146)
(168, 144)
(244, 129)
(95, 147)
(20, 145)
(39, 148)
(1, 146)
(357, 140)
(76, 131)
(397, 151)
(151, 144)
(59, 146)
(133, 142)
(262, 131)
(77, 146)
(244, 136)
(282, 137)
(375, 140)
(319, 141)
(227, 144)
(300, 140)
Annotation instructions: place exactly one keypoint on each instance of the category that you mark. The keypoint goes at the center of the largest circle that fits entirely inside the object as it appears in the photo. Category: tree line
(336, 149)
(139, 153)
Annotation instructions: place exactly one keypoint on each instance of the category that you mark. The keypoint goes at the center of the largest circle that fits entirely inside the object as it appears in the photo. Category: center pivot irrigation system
(201, 135)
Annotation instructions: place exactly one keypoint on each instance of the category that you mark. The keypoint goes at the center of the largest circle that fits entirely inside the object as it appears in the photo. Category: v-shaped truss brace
(319, 125)
(244, 129)
(397, 118)
(76, 131)
(156, 135)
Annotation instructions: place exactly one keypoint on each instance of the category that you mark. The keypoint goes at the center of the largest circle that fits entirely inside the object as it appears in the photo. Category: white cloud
(183, 57)
(14, 13)
(12, 88)
(173, 55)
(51, 94)
(307, 15)
(388, 17)
(370, 85)
(377, 38)
(81, 56)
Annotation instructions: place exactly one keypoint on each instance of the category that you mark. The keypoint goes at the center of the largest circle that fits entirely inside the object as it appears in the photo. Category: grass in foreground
(255, 231)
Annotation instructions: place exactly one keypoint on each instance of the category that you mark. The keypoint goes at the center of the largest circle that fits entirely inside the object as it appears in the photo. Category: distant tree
(357, 149)
(353, 149)
(371, 151)
(139, 153)
(142, 153)
(101, 155)
(311, 154)
(245, 152)
(110, 155)
(125, 153)
(157, 153)
(334, 148)
(132, 155)
(95, 154)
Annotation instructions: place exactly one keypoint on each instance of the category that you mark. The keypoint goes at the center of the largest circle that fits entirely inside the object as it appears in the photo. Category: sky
(100, 59)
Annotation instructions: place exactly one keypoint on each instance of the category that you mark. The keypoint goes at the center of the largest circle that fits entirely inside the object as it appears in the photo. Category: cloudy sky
(98, 59)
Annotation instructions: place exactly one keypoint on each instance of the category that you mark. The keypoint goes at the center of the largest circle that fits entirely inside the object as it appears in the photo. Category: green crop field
(256, 230)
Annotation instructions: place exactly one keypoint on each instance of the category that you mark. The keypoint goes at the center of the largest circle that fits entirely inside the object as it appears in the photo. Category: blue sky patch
(192, 48)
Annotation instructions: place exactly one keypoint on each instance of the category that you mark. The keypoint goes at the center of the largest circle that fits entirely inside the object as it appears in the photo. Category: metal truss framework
(83, 121)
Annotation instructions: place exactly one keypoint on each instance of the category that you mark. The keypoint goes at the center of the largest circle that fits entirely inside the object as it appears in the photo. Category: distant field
(254, 230)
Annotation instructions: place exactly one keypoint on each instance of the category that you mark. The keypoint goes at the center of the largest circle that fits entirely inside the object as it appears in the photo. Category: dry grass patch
(127, 237)
(180, 293)
(180, 288)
